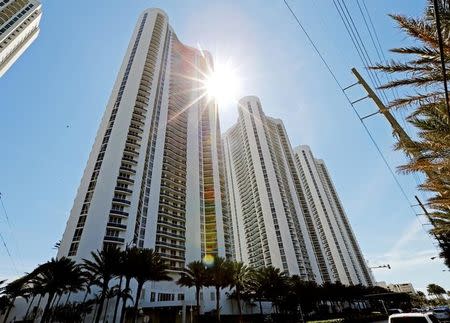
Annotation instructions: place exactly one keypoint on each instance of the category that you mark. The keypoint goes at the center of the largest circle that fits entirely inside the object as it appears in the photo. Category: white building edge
(19, 27)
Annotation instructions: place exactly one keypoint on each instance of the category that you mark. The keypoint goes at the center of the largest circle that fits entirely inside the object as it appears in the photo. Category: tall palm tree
(150, 267)
(194, 275)
(220, 275)
(419, 74)
(240, 275)
(103, 267)
(53, 277)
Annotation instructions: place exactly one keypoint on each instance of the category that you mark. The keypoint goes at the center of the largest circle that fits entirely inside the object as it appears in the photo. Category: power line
(4, 210)
(380, 53)
(8, 252)
(354, 110)
(16, 245)
(353, 32)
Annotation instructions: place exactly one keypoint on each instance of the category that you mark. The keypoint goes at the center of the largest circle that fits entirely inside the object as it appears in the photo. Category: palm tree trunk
(106, 309)
(29, 307)
(37, 306)
(260, 307)
(124, 300)
(116, 307)
(84, 301)
(101, 301)
(218, 303)
(5, 319)
(197, 297)
(136, 301)
(238, 297)
(47, 307)
(95, 311)
(68, 297)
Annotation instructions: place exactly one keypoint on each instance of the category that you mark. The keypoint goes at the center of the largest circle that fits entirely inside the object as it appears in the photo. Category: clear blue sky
(53, 97)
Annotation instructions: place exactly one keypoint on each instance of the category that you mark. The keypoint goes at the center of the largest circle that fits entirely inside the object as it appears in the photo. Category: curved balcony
(114, 239)
(171, 225)
(119, 213)
(137, 128)
(123, 189)
(116, 225)
(170, 245)
(121, 201)
(125, 180)
(129, 160)
(134, 135)
(171, 235)
(131, 151)
(127, 170)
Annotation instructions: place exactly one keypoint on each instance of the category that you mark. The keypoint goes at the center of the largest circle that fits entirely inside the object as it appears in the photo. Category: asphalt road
(385, 321)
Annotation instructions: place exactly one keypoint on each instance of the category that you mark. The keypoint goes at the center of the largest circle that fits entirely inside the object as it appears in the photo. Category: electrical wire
(380, 54)
(312, 43)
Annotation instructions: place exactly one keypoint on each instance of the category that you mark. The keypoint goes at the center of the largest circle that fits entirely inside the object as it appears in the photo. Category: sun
(222, 83)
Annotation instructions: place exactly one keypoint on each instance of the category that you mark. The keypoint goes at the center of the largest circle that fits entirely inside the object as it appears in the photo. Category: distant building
(284, 207)
(341, 247)
(381, 284)
(402, 288)
(266, 199)
(19, 27)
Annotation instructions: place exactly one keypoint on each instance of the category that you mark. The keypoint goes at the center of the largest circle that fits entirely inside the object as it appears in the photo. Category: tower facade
(19, 27)
(154, 177)
(266, 206)
(344, 256)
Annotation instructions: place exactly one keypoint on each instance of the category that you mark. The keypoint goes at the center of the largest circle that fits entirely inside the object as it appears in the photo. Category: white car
(413, 318)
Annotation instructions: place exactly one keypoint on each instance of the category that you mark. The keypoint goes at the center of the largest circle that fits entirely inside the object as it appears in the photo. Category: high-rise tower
(19, 27)
(154, 177)
(269, 214)
(343, 252)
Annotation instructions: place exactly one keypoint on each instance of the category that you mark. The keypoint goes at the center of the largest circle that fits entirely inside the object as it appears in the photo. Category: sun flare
(222, 83)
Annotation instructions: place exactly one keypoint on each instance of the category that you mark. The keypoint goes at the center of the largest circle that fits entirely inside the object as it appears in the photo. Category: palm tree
(273, 282)
(103, 267)
(194, 275)
(240, 275)
(421, 73)
(53, 277)
(436, 290)
(129, 261)
(255, 288)
(150, 267)
(220, 275)
(13, 290)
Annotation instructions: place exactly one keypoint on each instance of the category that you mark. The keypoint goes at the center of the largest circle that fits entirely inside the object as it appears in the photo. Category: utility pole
(441, 53)
(402, 135)
(440, 242)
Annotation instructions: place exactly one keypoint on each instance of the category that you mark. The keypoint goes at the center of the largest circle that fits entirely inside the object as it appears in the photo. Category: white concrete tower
(19, 27)
(269, 226)
(341, 247)
(155, 177)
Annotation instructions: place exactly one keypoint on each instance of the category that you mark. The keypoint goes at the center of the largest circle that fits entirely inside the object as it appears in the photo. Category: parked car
(442, 313)
(413, 318)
